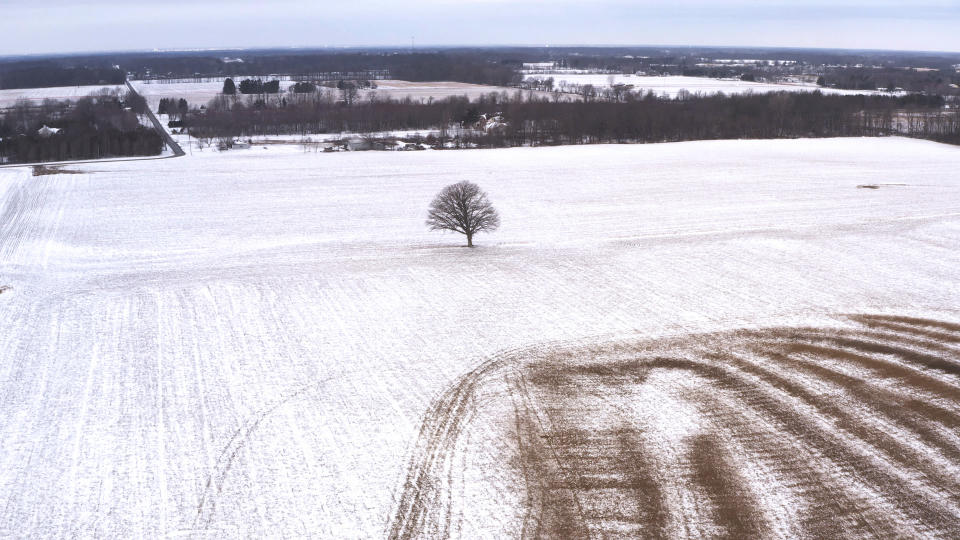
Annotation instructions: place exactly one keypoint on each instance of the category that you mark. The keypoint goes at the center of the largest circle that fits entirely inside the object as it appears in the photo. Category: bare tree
(464, 208)
(348, 91)
(588, 91)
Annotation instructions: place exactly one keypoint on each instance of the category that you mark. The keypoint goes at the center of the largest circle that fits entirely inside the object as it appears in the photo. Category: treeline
(99, 126)
(49, 74)
(932, 81)
(532, 122)
(462, 65)
(761, 116)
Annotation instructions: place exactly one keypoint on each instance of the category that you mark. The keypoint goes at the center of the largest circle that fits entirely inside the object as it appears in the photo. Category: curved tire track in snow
(784, 432)
(216, 480)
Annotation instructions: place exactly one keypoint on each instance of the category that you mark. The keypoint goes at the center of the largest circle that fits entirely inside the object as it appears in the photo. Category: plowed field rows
(779, 433)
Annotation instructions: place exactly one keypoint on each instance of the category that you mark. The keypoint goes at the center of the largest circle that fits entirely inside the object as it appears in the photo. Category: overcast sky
(43, 26)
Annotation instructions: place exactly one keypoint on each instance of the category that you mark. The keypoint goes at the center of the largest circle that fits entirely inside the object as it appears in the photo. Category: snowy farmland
(418, 91)
(202, 92)
(8, 98)
(672, 85)
(267, 342)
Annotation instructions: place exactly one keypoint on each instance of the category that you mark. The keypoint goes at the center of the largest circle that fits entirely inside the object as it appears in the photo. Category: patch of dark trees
(44, 74)
(101, 126)
(635, 119)
(303, 87)
(173, 106)
(176, 109)
(257, 86)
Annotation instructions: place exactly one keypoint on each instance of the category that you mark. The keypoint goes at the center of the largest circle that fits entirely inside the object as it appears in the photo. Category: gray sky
(42, 26)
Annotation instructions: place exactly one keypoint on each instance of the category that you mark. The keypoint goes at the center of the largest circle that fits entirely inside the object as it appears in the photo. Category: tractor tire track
(877, 461)
(215, 481)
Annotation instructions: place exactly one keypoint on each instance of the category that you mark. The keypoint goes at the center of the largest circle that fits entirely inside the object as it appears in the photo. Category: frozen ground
(245, 343)
(9, 97)
(672, 85)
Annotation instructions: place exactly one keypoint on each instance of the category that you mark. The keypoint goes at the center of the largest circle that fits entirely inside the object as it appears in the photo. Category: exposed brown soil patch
(44, 170)
(787, 432)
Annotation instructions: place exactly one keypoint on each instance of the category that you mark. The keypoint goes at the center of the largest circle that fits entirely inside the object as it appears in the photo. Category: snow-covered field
(244, 344)
(200, 93)
(9, 97)
(439, 90)
(196, 94)
(672, 85)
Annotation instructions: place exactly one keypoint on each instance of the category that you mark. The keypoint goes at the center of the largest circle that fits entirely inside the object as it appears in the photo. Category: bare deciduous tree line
(531, 121)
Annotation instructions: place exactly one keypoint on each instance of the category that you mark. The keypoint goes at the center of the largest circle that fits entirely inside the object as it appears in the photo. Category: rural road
(177, 151)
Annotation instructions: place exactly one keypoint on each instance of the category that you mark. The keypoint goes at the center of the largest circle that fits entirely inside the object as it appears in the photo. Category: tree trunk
(469, 240)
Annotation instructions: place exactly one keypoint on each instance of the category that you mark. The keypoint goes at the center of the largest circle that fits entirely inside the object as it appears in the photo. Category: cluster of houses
(44, 132)
(489, 123)
(358, 143)
(361, 144)
(486, 123)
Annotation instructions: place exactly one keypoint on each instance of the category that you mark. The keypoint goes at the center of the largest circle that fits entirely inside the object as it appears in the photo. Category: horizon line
(408, 48)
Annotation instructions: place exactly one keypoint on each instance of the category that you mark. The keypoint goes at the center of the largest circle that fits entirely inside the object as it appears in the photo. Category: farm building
(46, 131)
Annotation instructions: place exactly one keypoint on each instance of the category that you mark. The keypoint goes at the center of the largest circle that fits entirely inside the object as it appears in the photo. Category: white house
(355, 144)
(47, 131)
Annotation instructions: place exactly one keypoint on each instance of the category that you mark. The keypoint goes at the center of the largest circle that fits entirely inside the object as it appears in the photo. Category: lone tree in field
(464, 208)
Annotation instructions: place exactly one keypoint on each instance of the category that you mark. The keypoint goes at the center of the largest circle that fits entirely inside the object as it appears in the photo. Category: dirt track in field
(847, 432)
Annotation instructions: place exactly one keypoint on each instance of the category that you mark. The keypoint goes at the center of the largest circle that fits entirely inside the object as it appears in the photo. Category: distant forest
(45, 74)
(530, 121)
(100, 126)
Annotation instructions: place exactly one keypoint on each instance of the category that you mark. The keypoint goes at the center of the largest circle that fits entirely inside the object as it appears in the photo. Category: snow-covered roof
(47, 131)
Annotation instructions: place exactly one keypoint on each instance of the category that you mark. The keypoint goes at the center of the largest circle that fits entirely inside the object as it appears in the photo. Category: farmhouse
(489, 123)
(355, 144)
(46, 131)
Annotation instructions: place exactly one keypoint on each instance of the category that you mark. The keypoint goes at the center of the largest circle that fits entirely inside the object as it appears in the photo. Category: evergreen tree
(250, 86)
